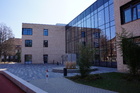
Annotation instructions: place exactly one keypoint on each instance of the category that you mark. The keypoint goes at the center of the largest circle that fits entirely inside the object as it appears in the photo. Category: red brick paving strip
(7, 86)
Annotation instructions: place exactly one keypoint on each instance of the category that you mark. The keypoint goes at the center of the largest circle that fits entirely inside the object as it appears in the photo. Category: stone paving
(36, 75)
(31, 71)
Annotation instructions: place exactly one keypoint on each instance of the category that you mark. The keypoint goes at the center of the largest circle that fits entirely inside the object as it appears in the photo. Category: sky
(15, 12)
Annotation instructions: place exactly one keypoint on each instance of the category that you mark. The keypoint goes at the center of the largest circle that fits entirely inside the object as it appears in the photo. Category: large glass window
(27, 31)
(130, 12)
(45, 32)
(45, 43)
(28, 43)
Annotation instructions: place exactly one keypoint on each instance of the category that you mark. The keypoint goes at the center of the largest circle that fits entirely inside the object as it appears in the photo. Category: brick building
(42, 43)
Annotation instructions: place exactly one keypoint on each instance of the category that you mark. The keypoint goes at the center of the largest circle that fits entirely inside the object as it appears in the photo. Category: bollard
(47, 75)
(65, 71)
(57, 63)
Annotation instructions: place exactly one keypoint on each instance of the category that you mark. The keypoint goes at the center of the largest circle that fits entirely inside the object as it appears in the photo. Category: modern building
(95, 26)
(127, 16)
(42, 43)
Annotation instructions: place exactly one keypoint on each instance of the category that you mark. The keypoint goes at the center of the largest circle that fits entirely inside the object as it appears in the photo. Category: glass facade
(95, 26)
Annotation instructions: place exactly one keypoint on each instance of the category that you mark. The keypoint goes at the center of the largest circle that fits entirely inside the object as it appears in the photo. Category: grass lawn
(111, 81)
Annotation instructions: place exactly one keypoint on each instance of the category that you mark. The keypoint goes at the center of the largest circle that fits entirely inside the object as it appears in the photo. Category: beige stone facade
(56, 43)
(133, 26)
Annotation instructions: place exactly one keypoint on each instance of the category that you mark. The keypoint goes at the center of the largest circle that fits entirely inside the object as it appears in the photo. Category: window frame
(130, 5)
(28, 43)
(45, 44)
(27, 58)
(27, 31)
(45, 32)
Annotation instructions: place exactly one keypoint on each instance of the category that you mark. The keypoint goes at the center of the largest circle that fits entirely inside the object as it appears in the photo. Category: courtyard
(36, 75)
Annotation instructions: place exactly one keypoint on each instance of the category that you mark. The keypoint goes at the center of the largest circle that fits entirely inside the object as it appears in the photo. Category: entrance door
(45, 57)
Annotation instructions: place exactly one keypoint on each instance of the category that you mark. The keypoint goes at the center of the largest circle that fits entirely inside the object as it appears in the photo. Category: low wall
(24, 85)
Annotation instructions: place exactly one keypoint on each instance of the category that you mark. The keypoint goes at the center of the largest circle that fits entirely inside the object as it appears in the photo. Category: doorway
(45, 58)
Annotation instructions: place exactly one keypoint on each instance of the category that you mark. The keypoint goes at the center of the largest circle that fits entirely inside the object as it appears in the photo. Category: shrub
(70, 65)
(84, 62)
(130, 51)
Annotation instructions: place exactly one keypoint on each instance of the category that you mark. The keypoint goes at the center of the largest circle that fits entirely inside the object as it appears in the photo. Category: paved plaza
(36, 75)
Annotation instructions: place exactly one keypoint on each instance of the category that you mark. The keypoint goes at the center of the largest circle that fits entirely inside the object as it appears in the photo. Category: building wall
(56, 43)
(133, 26)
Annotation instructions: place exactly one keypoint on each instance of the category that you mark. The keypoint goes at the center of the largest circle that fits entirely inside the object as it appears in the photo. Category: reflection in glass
(112, 23)
(96, 35)
(100, 8)
(134, 13)
(103, 49)
(85, 23)
(88, 23)
(96, 22)
(102, 27)
(106, 15)
(138, 10)
(96, 28)
(111, 10)
(107, 25)
(92, 21)
(127, 15)
(101, 17)
(106, 4)
(113, 32)
(108, 33)
(83, 34)
(110, 1)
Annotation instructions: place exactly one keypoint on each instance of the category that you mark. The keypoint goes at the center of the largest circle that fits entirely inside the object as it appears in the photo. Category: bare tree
(6, 42)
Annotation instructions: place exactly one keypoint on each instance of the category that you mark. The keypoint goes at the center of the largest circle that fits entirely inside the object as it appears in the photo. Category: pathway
(35, 74)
